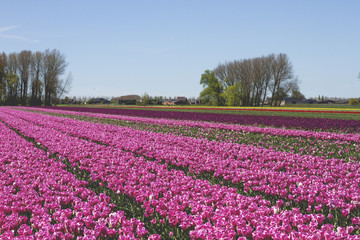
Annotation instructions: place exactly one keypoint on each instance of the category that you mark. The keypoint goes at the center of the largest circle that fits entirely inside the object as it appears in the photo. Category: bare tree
(266, 75)
(37, 68)
(24, 62)
(291, 85)
(54, 67)
(282, 71)
(259, 80)
(246, 76)
(234, 81)
(222, 73)
(64, 85)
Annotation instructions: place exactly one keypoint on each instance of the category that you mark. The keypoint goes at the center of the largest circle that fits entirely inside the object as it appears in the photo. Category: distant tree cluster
(33, 78)
(249, 82)
(353, 101)
(146, 99)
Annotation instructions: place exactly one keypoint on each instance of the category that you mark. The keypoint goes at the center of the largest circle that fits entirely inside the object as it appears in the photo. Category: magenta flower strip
(329, 145)
(352, 137)
(323, 124)
(215, 211)
(286, 140)
(301, 179)
(40, 199)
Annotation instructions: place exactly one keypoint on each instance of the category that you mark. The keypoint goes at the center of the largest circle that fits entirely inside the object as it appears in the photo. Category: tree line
(33, 78)
(249, 82)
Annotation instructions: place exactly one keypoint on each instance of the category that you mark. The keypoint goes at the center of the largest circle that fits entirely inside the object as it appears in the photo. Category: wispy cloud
(4, 29)
(16, 37)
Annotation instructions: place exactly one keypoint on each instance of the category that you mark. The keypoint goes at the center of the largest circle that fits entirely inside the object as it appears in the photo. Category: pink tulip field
(86, 175)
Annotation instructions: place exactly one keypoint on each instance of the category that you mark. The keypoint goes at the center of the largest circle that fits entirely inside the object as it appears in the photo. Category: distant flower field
(260, 109)
(84, 173)
(266, 120)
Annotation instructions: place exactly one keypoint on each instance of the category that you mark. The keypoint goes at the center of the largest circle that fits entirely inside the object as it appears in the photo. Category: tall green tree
(297, 94)
(233, 95)
(212, 93)
(257, 78)
(12, 80)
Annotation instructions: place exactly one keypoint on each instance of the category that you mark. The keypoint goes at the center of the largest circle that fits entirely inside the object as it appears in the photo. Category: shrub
(354, 101)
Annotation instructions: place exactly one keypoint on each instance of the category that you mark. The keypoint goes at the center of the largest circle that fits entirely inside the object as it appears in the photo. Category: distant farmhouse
(129, 99)
(98, 101)
(291, 100)
(329, 102)
(194, 101)
(177, 101)
(181, 101)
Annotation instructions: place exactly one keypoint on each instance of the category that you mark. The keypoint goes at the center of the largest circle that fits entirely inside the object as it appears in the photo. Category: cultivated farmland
(84, 173)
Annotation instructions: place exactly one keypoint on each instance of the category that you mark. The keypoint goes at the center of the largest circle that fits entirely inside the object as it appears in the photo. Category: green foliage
(145, 100)
(12, 79)
(353, 101)
(280, 95)
(233, 95)
(297, 94)
(213, 89)
(157, 100)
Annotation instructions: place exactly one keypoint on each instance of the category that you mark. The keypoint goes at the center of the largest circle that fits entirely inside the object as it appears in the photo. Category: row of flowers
(256, 109)
(329, 145)
(212, 211)
(320, 182)
(40, 199)
(321, 124)
(353, 137)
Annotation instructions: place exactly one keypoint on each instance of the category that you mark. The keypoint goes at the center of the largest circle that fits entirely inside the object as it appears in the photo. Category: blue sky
(115, 48)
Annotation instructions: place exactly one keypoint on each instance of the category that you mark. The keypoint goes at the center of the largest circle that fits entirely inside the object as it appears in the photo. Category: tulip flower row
(303, 144)
(255, 109)
(329, 145)
(316, 181)
(209, 211)
(322, 124)
(40, 199)
(333, 136)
